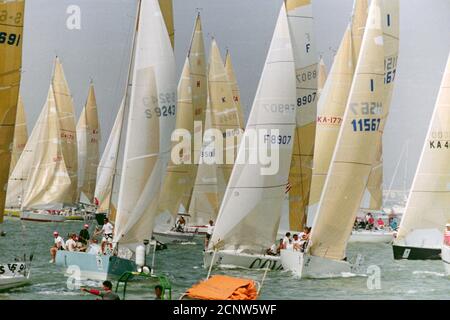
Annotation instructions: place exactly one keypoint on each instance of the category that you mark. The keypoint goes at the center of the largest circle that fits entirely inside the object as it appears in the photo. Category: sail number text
(164, 111)
(11, 38)
(301, 101)
(277, 139)
(4, 16)
(364, 125)
(306, 76)
(390, 67)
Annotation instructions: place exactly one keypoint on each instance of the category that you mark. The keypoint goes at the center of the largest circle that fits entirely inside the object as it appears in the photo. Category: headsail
(235, 88)
(250, 212)
(107, 167)
(49, 183)
(167, 12)
(321, 77)
(10, 67)
(356, 146)
(301, 26)
(88, 135)
(428, 206)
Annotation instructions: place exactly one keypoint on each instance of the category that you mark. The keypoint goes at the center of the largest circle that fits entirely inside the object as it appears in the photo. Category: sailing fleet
(310, 152)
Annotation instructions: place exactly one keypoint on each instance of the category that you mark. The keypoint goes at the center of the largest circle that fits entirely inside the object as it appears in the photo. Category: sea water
(384, 277)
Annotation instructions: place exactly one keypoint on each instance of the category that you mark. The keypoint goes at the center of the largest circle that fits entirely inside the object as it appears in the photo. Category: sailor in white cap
(58, 245)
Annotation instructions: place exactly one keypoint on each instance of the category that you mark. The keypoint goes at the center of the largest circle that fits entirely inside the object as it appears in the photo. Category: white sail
(301, 26)
(332, 103)
(49, 182)
(17, 182)
(151, 120)
(88, 135)
(428, 206)
(107, 167)
(356, 146)
(250, 212)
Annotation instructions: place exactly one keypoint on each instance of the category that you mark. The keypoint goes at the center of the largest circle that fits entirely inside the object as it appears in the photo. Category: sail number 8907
(277, 139)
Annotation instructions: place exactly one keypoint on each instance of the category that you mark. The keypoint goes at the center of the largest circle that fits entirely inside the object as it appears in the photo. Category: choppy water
(183, 265)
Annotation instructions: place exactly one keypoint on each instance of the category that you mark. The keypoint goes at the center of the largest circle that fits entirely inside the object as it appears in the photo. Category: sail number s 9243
(164, 111)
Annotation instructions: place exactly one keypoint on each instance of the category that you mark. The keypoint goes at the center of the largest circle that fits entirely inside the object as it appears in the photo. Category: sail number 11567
(364, 125)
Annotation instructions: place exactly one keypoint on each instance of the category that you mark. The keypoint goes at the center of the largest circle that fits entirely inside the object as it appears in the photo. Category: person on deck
(305, 239)
(380, 223)
(107, 231)
(209, 233)
(393, 224)
(286, 240)
(180, 224)
(106, 294)
(296, 243)
(71, 244)
(158, 292)
(58, 245)
(84, 235)
(447, 235)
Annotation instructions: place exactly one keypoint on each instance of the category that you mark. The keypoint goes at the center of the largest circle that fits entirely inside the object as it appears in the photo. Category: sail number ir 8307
(366, 125)
(11, 39)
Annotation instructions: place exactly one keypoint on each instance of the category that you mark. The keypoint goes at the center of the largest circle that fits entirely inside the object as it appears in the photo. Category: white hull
(198, 230)
(377, 236)
(446, 258)
(13, 275)
(7, 282)
(232, 258)
(173, 236)
(41, 217)
(307, 266)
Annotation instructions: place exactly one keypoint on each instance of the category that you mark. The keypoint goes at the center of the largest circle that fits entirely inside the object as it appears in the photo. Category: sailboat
(151, 101)
(51, 185)
(11, 274)
(333, 101)
(88, 135)
(301, 27)
(250, 212)
(355, 152)
(179, 181)
(427, 211)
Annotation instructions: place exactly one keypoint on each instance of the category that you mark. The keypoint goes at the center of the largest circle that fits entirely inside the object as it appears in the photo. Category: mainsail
(151, 119)
(20, 135)
(391, 30)
(49, 183)
(301, 26)
(66, 113)
(428, 206)
(332, 103)
(10, 66)
(250, 212)
(88, 135)
(234, 88)
(356, 146)
(321, 78)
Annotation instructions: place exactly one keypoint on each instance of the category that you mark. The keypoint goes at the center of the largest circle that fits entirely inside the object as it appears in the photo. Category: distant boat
(427, 211)
(179, 180)
(250, 212)
(355, 152)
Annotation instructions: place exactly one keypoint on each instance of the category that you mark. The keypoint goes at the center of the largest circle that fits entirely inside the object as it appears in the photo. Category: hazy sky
(100, 50)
